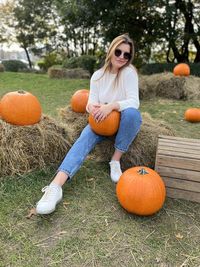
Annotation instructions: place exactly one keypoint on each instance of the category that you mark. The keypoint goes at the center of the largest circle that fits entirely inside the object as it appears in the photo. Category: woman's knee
(131, 114)
(87, 135)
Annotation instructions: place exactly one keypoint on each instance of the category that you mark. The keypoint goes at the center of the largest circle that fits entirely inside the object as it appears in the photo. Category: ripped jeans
(129, 127)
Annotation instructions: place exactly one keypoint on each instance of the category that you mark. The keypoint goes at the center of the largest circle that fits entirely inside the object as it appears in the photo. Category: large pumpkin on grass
(108, 126)
(141, 191)
(181, 69)
(79, 100)
(20, 108)
(192, 115)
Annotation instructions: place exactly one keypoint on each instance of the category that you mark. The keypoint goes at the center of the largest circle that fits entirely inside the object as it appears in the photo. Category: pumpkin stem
(21, 92)
(142, 171)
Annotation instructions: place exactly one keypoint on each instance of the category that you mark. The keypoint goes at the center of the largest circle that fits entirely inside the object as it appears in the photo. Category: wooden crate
(178, 163)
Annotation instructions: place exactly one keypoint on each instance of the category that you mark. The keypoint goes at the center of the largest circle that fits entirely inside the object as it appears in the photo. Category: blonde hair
(121, 39)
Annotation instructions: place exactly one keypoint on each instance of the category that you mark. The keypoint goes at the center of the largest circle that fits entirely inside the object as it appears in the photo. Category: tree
(190, 12)
(6, 15)
(173, 24)
(180, 28)
(35, 24)
(81, 29)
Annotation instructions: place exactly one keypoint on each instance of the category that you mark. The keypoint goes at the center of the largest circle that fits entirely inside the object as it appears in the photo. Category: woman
(113, 87)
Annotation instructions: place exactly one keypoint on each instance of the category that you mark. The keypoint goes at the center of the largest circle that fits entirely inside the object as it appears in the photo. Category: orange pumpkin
(141, 191)
(181, 69)
(20, 108)
(79, 100)
(108, 126)
(192, 115)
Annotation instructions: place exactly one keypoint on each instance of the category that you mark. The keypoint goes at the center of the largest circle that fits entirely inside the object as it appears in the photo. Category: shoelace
(48, 192)
(115, 167)
(44, 188)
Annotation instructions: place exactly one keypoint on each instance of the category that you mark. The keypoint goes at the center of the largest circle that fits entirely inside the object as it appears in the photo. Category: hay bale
(25, 148)
(2, 68)
(141, 152)
(75, 122)
(169, 86)
(77, 73)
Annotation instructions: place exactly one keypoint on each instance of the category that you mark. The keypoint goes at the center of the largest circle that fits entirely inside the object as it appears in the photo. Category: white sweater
(125, 92)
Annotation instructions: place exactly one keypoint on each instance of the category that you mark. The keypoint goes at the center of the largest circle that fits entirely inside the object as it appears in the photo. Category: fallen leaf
(179, 236)
(90, 179)
(65, 204)
(157, 259)
(32, 212)
(106, 221)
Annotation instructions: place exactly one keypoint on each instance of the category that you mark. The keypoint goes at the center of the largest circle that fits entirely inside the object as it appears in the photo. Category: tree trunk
(28, 57)
(187, 10)
(197, 45)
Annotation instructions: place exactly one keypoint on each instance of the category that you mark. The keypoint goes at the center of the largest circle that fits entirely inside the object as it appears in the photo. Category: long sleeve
(131, 91)
(94, 94)
(105, 88)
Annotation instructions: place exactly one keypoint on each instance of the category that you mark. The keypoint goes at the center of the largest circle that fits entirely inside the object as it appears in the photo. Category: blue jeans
(129, 127)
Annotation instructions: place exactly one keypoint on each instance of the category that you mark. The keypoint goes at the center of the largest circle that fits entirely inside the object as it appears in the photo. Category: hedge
(85, 62)
(14, 65)
(149, 69)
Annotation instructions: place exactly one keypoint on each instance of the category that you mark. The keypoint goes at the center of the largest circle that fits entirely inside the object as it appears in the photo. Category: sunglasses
(126, 55)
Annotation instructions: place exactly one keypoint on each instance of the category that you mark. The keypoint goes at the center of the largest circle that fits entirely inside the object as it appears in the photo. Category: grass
(52, 93)
(90, 228)
(172, 111)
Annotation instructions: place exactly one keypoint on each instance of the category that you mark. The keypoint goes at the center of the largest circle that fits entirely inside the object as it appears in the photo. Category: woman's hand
(100, 113)
(93, 107)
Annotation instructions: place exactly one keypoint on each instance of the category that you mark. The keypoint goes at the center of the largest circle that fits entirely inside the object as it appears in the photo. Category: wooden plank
(182, 194)
(180, 144)
(169, 137)
(181, 163)
(168, 142)
(178, 173)
(179, 154)
(178, 148)
(178, 163)
(181, 184)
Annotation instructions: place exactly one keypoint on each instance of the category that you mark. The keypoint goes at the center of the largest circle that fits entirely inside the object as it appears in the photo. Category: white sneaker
(52, 196)
(115, 170)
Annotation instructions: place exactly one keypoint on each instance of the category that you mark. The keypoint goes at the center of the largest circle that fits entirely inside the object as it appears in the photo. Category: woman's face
(120, 57)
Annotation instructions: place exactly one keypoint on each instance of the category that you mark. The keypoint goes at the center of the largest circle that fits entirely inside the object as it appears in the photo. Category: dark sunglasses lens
(127, 55)
(118, 52)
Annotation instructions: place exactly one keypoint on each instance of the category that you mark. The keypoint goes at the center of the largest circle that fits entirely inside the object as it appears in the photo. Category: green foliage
(149, 69)
(14, 65)
(85, 62)
(52, 93)
(152, 68)
(49, 60)
(195, 69)
(71, 63)
(88, 63)
(173, 23)
(35, 23)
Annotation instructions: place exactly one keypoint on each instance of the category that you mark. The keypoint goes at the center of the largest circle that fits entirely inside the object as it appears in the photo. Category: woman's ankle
(60, 178)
